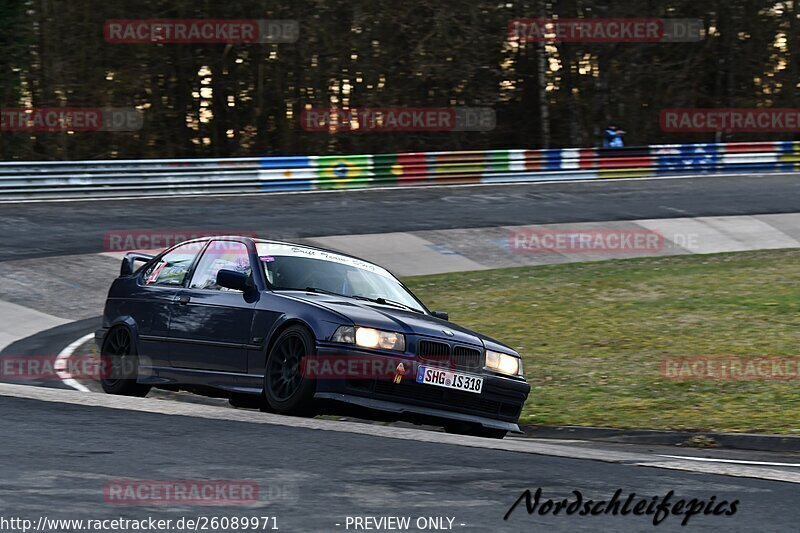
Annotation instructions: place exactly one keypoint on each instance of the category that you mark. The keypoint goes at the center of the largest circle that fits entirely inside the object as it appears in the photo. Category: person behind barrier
(612, 137)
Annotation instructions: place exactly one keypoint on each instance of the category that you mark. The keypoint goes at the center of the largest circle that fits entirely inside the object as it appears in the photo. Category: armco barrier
(32, 180)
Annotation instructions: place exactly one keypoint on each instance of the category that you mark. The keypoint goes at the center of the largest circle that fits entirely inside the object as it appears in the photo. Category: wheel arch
(128, 323)
(282, 326)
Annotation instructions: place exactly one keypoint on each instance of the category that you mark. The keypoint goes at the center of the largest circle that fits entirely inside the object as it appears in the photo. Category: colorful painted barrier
(117, 178)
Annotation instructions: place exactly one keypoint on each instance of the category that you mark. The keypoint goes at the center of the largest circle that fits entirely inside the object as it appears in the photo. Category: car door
(150, 300)
(210, 325)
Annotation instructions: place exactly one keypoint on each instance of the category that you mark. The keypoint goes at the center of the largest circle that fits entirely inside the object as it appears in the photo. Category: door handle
(183, 300)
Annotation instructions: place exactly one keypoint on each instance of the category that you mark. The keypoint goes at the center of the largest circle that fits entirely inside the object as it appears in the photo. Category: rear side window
(171, 269)
(220, 254)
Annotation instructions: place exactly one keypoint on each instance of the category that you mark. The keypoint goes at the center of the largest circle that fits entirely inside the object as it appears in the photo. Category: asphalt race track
(62, 447)
(312, 480)
(55, 228)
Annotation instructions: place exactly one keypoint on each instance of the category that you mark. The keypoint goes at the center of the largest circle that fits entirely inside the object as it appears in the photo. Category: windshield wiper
(379, 300)
(384, 301)
(309, 289)
(324, 291)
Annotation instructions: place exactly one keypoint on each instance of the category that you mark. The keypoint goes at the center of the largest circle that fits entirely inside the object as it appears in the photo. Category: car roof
(286, 243)
(321, 249)
(256, 240)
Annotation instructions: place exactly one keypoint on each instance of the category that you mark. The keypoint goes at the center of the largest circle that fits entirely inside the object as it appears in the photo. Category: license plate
(450, 380)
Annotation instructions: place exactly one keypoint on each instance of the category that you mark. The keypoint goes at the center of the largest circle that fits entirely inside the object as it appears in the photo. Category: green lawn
(592, 336)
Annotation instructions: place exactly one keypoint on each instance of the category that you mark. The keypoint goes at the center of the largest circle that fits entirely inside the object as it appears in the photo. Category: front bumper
(403, 409)
(498, 406)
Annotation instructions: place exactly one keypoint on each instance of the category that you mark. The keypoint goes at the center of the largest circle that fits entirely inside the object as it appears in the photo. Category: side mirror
(128, 266)
(231, 279)
(440, 314)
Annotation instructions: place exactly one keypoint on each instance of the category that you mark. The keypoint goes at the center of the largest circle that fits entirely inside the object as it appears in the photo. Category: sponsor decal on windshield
(277, 250)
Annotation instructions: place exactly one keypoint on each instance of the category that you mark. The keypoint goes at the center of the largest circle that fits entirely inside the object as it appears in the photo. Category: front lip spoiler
(400, 408)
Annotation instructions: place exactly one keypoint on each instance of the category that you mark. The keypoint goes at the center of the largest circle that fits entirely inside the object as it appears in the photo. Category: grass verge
(593, 335)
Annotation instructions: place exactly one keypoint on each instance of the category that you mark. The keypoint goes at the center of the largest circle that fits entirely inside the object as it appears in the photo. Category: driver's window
(171, 269)
(229, 255)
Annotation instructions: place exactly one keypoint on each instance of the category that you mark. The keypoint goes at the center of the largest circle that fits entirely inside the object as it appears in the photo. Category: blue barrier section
(688, 158)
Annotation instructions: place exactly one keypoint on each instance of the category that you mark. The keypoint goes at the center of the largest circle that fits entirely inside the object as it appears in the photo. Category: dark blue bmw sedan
(299, 330)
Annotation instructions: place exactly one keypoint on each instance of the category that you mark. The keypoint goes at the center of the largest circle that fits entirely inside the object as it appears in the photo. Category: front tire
(287, 390)
(120, 365)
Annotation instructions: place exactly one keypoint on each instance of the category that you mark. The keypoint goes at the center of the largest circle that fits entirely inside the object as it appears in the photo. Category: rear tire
(120, 365)
(475, 430)
(287, 390)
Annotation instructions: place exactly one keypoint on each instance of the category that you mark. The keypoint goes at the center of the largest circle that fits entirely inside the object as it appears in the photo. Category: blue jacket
(612, 139)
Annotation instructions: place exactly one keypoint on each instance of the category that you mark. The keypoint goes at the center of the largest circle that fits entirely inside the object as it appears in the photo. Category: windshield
(289, 267)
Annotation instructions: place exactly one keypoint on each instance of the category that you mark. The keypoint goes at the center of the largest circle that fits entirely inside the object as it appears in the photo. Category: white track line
(62, 363)
(731, 461)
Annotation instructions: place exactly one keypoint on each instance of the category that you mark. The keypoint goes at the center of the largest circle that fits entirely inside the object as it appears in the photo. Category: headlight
(370, 338)
(507, 364)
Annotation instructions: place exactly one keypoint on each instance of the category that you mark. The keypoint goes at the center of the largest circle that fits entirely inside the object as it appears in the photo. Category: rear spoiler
(129, 262)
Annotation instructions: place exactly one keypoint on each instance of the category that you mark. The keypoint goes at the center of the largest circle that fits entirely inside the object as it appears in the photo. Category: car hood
(374, 315)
